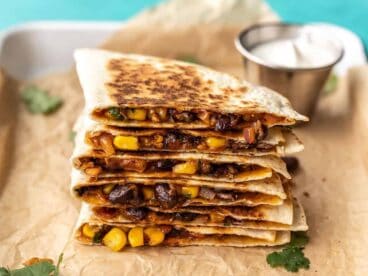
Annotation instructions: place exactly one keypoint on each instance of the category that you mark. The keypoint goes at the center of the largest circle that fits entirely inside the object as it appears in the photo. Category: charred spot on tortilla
(174, 85)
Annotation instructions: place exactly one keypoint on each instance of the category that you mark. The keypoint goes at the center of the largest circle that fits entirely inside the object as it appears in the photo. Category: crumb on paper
(306, 194)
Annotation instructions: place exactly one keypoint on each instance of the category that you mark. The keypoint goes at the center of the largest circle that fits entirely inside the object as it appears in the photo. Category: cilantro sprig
(39, 101)
(292, 256)
(42, 268)
(331, 84)
(188, 58)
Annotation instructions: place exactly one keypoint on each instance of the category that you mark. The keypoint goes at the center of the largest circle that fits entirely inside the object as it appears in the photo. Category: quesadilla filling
(163, 195)
(215, 120)
(118, 237)
(146, 215)
(95, 166)
(175, 140)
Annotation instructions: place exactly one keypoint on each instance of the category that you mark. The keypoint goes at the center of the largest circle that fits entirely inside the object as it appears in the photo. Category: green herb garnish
(292, 256)
(43, 268)
(72, 135)
(38, 101)
(188, 58)
(331, 84)
(298, 239)
(114, 113)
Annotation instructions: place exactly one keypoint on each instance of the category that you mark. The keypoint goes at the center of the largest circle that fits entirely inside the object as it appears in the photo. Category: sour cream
(310, 49)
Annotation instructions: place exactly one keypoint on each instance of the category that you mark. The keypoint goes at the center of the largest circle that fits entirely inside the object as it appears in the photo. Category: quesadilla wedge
(168, 193)
(140, 91)
(113, 140)
(209, 167)
(269, 186)
(225, 215)
(211, 219)
(92, 231)
(116, 237)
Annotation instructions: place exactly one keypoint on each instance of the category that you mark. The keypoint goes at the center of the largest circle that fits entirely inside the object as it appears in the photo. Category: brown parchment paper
(37, 213)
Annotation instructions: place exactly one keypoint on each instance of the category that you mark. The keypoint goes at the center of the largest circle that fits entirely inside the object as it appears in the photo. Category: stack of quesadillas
(172, 153)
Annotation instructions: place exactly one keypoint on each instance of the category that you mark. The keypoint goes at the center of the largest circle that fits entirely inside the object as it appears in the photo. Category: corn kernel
(155, 235)
(189, 167)
(148, 193)
(115, 239)
(88, 231)
(215, 143)
(256, 174)
(137, 114)
(126, 142)
(190, 191)
(135, 237)
(108, 188)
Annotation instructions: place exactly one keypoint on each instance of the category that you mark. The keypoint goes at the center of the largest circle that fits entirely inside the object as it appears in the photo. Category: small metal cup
(300, 85)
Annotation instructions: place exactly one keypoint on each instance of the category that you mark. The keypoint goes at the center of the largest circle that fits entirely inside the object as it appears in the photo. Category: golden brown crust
(131, 81)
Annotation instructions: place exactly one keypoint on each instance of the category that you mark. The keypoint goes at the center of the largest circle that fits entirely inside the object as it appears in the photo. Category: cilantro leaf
(292, 256)
(38, 101)
(38, 269)
(4, 271)
(298, 239)
(188, 58)
(57, 269)
(72, 135)
(114, 113)
(43, 268)
(331, 84)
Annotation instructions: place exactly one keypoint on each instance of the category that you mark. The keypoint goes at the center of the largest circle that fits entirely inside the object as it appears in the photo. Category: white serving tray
(33, 49)
(36, 48)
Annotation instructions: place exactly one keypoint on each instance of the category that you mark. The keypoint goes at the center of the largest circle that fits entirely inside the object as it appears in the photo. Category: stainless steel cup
(300, 85)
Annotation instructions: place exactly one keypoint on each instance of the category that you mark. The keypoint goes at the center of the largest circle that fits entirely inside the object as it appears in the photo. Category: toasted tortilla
(269, 191)
(277, 142)
(112, 79)
(213, 236)
(299, 221)
(280, 214)
(267, 164)
(269, 186)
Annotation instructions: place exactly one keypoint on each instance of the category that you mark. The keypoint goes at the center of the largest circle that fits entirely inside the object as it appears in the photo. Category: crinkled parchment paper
(38, 213)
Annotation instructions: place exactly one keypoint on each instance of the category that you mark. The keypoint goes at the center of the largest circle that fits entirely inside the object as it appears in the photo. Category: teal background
(352, 14)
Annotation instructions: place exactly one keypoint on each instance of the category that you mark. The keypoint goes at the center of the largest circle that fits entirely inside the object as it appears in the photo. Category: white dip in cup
(292, 59)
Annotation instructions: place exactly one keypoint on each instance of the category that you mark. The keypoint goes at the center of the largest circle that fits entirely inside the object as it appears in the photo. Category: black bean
(165, 164)
(124, 194)
(186, 216)
(222, 123)
(166, 195)
(137, 213)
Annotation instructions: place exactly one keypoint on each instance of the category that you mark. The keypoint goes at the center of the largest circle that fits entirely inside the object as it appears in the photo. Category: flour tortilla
(280, 214)
(268, 163)
(111, 79)
(268, 186)
(281, 140)
(299, 221)
(212, 236)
